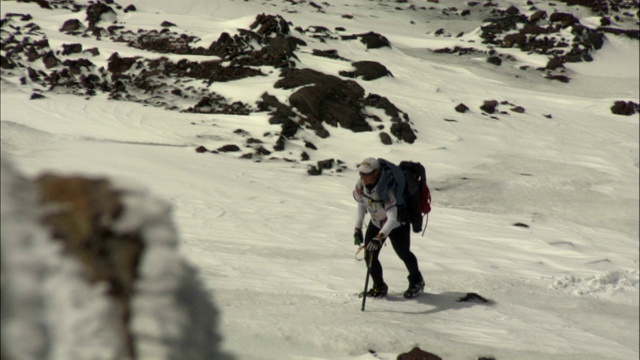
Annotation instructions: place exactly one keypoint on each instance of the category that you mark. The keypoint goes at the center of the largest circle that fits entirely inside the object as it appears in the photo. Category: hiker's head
(369, 170)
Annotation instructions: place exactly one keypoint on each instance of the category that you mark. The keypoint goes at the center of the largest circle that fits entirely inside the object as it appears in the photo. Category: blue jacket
(391, 176)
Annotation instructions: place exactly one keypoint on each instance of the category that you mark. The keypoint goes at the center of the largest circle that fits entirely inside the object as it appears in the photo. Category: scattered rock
(385, 138)
(96, 12)
(418, 354)
(331, 54)
(314, 171)
(229, 148)
(561, 78)
(326, 164)
(368, 70)
(462, 108)
(489, 106)
(68, 49)
(72, 25)
(50, 60)
(116, 64)
(495, 60)
(371, 39)
(624, 108)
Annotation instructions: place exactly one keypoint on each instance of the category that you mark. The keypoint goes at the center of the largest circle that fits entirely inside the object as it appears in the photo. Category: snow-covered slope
(273, 244)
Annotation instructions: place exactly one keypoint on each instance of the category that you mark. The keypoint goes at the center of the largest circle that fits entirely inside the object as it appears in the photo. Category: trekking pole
(366, 281)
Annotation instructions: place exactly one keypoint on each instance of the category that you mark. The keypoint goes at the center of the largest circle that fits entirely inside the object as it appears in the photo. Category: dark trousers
(401, 241)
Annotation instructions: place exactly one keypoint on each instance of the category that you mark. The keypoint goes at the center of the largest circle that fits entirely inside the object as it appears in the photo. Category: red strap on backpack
(425, 200)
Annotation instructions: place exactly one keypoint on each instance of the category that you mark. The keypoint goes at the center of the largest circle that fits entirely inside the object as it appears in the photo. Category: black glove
(357, 237)
(375, 243)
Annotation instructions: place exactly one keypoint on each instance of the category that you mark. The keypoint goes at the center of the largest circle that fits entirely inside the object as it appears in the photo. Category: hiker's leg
(401, 240)
(376, 267)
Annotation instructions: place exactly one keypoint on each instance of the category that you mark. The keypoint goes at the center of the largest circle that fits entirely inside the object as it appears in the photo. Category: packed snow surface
(274, 245)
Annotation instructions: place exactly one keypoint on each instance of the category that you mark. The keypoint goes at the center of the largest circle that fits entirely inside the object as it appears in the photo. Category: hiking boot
(414, 289)
(378, 291)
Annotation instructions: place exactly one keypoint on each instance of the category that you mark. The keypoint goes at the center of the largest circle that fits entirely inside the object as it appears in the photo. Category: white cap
(368, 165)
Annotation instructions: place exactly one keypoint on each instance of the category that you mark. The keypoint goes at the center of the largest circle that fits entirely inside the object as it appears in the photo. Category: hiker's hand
(375, 244)
(357, 237)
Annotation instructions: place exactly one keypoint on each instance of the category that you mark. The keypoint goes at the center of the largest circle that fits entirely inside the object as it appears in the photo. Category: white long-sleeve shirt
(383, 215)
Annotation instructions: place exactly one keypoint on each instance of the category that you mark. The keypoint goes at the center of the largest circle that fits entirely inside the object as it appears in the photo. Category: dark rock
(50, 60)
(537, 17)
(495, 60)
(329, 100)
(280, 143)
(72, 25)
(462, 108)
(262, 151)
(167, 24)
(118, 65)
(381, 102)
(489, 106)
(561, 78)
(565, 19)
(555, 63)
(277, 46)
(130, 8)
(326, 164)
(518, 109)
(95, 12)
(201, 149)
(7, 63)
(403, 131)
(512, 10)
(368, 70)
(630, 33)
(229, 148)
(68, 49)
(418, 354)
(624, 108)
(310, 145)
(75, 66)
(385, 138)
(35, 96)
(314, 171)
(331, 54)
(374, 40)
(289, 128)
(511, 40)
(270, 25)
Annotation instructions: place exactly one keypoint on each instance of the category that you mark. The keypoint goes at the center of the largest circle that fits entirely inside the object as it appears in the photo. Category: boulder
(418, 354)
(367, 70)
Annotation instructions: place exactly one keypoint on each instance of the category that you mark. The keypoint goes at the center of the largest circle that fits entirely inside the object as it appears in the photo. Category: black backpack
(417, 196)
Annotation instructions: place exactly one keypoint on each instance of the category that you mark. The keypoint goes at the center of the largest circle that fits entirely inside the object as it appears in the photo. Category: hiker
(369, 193)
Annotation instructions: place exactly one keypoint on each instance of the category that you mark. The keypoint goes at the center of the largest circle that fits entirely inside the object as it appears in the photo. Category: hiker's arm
(392, 220)
(362, 210)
